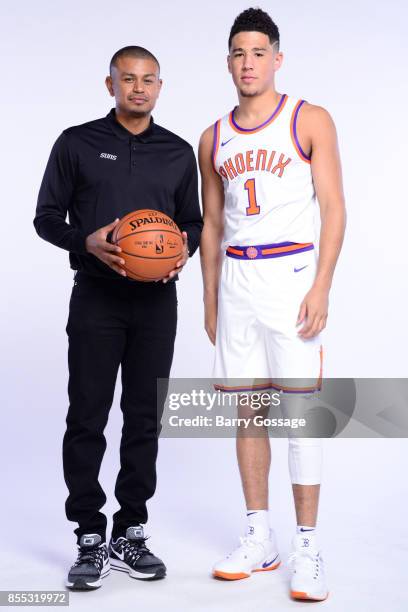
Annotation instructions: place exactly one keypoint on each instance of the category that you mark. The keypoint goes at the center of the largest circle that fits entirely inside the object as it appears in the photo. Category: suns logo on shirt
(108, 156)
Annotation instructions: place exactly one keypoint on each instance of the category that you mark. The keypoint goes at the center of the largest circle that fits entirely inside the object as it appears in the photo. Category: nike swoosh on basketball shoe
(268, 563)
(250, 556)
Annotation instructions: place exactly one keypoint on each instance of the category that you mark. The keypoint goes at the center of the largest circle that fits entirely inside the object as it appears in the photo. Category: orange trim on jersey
(274, 116)
(216, 142)
(293, 135)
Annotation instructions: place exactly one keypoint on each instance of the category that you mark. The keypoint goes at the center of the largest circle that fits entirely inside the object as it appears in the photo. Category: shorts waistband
(265, 251)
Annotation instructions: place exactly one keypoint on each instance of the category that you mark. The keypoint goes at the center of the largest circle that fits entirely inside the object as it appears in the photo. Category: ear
(109, 85)
(278, 60)
(229, 63)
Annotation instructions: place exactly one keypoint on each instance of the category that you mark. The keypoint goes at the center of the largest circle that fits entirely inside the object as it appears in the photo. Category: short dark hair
(132, 51)
(255, 20)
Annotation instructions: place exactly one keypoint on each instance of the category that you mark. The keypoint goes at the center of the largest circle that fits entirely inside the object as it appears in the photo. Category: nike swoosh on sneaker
(121, 555)
(299, 269)
(227, 141)
(268, 563)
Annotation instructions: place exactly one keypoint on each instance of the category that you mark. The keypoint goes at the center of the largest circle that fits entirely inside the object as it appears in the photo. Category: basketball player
(266, 295)
(99, 171)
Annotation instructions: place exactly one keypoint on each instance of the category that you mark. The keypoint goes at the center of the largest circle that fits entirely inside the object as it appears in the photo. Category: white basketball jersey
(267, 178)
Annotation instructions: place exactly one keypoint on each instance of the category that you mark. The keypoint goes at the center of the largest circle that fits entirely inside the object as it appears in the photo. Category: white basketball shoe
(308, 577)
(252, 555)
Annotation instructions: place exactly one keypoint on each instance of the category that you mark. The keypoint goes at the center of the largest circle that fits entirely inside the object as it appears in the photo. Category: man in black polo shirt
(98, 172)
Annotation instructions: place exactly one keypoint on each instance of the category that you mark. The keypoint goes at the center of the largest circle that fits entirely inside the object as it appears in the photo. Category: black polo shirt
(99, 171)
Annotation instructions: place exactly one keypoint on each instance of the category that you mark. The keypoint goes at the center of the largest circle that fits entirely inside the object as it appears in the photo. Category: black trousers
(112, 323)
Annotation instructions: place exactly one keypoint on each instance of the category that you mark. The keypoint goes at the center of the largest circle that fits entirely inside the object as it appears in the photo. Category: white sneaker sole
(275, 563)
(121, 566)
(303, 595)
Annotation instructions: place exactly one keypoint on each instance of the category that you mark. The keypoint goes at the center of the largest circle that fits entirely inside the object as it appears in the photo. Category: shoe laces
(90, 555)
(247, 541)
(309, 561)
(135, 548)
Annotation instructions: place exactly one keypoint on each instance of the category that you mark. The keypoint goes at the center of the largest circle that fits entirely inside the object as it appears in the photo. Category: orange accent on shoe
(301, 595)
(228, 576)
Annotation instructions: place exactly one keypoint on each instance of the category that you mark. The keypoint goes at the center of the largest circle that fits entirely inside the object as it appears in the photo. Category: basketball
(151, 244)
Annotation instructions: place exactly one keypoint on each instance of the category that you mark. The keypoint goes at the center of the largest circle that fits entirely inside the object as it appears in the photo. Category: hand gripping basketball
(98, 245)
(152, 245)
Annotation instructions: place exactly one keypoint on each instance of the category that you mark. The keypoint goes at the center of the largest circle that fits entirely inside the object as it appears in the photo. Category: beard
(139, 114)
(248, 94)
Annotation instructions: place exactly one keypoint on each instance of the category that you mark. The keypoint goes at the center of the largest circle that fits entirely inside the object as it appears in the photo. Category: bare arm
(213, 212)
(318, 132)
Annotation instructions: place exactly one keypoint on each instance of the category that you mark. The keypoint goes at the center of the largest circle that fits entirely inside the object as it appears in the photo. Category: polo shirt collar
(121, 132)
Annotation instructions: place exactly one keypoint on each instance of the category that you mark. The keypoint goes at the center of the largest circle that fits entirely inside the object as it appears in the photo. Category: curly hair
(132, 51)
(255, 20)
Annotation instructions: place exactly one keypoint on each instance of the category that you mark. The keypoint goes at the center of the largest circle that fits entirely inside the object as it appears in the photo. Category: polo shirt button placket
(134, 148)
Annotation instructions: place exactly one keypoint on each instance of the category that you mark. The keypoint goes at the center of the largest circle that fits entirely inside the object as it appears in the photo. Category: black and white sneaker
(91, 565)
(131, 555)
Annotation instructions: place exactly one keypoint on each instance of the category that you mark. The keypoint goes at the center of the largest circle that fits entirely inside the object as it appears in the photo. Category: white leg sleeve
(304, 454)
(305, 460)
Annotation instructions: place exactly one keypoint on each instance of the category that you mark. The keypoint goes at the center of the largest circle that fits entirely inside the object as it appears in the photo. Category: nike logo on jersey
(268, 563)
(227, 141)
(298, 270)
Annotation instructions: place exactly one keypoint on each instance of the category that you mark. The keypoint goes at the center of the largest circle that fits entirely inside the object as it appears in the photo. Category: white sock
(305, 530)
(258, 524)
(308, 536)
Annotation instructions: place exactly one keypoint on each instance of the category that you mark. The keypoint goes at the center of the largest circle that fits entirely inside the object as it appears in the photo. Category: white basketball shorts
(257, 342)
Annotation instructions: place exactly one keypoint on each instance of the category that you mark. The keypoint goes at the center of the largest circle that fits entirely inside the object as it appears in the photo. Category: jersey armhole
(216, 143)
(293, 133)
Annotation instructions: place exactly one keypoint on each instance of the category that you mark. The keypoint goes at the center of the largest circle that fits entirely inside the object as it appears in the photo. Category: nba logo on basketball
(159, 244)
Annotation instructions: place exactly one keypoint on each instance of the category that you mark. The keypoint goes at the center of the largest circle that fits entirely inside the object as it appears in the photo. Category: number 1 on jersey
(252, 208)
